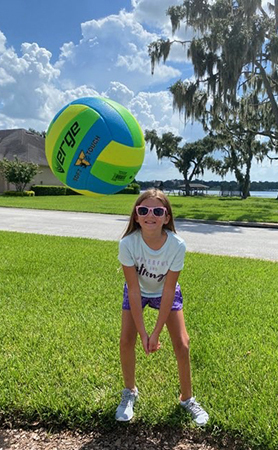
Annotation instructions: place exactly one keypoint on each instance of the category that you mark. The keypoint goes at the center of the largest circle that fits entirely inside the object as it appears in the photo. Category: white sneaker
(124, 412)
(198, 414)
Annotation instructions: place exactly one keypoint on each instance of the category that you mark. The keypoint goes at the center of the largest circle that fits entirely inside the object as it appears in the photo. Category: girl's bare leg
(180, 341)
(127, 349)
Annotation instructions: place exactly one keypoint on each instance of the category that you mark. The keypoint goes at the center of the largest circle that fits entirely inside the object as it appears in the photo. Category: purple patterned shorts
(154, 302)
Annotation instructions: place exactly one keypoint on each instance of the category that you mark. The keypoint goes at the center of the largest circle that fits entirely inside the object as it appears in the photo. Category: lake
(263, 194)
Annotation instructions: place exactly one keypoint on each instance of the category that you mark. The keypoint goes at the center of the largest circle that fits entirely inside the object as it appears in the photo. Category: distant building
(28, 147)
(195, 188)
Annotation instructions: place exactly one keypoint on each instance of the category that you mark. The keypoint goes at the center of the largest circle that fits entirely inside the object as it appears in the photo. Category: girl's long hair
(150, 193)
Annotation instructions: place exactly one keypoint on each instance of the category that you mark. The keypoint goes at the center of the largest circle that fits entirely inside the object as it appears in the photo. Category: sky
(53, 52)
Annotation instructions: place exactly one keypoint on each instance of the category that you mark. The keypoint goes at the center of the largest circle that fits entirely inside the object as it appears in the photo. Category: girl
(152, 256)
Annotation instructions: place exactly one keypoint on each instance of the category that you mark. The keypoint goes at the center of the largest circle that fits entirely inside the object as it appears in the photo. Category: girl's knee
(127, 342)
(181, 346)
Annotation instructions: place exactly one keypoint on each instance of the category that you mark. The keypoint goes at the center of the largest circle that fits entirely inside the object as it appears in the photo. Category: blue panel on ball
(116, 124)
(96, 139)
(98, 186)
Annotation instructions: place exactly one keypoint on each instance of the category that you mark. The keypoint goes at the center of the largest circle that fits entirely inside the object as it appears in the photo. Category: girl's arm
(134, 295)
(167, 300)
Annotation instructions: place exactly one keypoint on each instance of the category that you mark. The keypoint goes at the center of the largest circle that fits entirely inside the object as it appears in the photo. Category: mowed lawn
(60, 324)
(206, 208)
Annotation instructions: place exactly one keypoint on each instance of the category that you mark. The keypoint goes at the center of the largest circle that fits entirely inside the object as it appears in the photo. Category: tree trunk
(187, 186)
(246, 179)
(246, 187)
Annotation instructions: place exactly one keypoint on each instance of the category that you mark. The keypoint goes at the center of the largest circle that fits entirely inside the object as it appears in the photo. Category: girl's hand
(145, 343)
(154, 343)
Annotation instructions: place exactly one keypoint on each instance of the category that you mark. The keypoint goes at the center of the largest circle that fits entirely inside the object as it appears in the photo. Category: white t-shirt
(152, 265)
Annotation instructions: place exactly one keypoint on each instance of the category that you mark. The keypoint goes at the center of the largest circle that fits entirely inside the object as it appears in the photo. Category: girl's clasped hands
(150, 343)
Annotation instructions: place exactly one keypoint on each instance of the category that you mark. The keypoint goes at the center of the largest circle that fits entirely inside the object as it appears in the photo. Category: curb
(232, 223)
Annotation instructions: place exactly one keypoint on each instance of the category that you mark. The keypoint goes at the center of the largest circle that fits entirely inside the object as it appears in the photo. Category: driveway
(214, 239)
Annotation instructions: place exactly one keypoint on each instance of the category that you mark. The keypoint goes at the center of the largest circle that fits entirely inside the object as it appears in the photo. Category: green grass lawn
(206, 208)
(60, 323)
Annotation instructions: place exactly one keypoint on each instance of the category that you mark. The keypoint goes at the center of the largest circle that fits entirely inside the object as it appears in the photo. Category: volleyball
(95, 146)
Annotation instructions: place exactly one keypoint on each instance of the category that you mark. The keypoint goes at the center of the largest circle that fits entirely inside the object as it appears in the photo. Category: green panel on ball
(115, 175)
(69, 139)
(133, 125)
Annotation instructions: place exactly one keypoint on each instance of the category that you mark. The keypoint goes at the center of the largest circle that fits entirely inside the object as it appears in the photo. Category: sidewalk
(202, 237)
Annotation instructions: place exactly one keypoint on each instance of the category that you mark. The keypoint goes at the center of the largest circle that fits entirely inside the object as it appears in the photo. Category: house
(28, 147)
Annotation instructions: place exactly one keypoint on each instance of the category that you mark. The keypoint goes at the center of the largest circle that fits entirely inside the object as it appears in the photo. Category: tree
(38, 133)
(190, 159)
(234, 53)
(18, 172)
(238, 140)
(239, 151)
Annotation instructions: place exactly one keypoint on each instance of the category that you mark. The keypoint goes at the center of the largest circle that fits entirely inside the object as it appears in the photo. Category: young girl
(152, 256)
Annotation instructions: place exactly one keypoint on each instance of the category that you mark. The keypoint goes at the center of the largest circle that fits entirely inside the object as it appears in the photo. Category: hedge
(19, 193)
(133, 188)
(53, 190)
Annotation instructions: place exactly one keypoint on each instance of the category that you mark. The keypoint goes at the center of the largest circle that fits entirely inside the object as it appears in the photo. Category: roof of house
(27, 146)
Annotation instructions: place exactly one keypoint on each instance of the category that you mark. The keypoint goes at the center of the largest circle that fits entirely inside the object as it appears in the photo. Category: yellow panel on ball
(87, 193)
(123, 155)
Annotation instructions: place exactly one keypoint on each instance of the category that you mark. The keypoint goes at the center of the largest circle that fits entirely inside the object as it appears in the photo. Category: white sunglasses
(157, 211)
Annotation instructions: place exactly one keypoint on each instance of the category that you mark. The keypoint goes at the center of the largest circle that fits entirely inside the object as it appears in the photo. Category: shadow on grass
(101, 431)
(181, 435)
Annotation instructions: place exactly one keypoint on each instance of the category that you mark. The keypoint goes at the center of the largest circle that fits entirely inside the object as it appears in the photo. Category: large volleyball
(95, 146)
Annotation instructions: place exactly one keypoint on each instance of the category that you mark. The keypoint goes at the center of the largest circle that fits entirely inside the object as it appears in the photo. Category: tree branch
(269, 90)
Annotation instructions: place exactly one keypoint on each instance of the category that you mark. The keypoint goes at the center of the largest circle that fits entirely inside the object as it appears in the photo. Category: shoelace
(195, 407)
(126, 398)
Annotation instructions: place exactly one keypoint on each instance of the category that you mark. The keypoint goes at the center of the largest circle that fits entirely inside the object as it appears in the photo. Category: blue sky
(51, 23)
(56, 51)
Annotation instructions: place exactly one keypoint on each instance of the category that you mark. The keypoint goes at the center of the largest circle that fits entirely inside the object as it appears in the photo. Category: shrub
(17, 172)
(49, 190)
(19, 194)
(133, 188)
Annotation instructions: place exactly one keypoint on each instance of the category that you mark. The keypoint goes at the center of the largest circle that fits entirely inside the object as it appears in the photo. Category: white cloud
(148, 12)
(25, 80)
(119, 93)
(5, 78)
(2, 42)
(113, 49)
(265, 171)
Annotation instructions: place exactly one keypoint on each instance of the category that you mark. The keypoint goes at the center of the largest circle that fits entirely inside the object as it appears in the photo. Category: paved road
(215, 239)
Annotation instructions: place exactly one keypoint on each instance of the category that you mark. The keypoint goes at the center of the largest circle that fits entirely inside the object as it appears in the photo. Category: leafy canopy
(234, 52)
